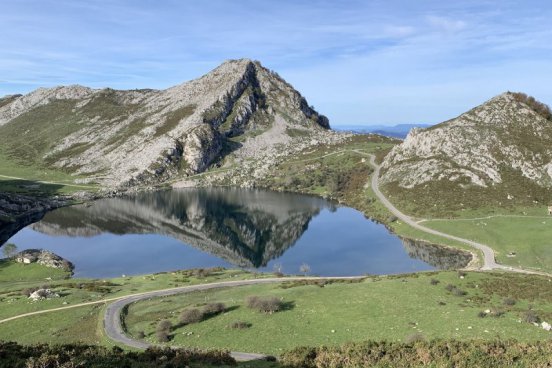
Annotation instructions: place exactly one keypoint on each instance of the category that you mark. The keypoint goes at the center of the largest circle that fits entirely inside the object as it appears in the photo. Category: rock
(546, 326)
(122, 139)
(43, 257)
(42, 294)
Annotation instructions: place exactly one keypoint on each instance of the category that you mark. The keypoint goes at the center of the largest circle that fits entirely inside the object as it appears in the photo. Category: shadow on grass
(30, 188)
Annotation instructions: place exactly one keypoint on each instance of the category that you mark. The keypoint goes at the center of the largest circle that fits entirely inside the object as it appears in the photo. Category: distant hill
(395, 131)
(240, 111)
(497, 154)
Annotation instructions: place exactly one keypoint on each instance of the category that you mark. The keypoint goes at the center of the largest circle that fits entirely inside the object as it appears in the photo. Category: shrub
(193, 315)
(162, 336)
(434, 281)
(164, 325)
(450, 287)
(531, 317)
(266, 305)
(459, 292)
(240, 325)
(140, 334)
(28, 291)
(214, 308)
(509, 301)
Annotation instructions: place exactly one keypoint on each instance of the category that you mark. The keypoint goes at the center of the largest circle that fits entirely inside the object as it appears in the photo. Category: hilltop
(495, 155)
(238, 112)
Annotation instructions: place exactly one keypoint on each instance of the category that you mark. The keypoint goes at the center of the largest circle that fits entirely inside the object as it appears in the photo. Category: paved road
(112, 318)
(489, 262)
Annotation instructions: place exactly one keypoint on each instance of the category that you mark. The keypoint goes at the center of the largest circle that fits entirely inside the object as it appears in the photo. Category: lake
(252, 229)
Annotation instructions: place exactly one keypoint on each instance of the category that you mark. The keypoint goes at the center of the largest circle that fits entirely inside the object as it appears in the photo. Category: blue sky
(358, 62)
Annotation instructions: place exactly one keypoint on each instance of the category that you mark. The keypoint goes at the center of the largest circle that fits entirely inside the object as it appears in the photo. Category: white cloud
(446, 24)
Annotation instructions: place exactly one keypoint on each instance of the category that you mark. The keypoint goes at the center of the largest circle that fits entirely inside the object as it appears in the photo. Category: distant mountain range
(395, 131)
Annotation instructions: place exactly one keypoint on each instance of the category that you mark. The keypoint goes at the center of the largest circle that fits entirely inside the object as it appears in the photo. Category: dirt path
(50, 182)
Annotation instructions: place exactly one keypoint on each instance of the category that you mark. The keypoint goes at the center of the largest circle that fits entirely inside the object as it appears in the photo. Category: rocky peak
(503, 140)
(502, 131)
(126, 138)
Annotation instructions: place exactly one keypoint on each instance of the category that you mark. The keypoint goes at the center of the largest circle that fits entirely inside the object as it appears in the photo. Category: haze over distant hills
(395, 131)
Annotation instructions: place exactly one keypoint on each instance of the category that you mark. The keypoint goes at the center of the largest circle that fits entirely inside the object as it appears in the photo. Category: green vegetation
(420, 353)
(337, 171)
(539, 107)
(520, 241)
(445, 305)
(74, 355)
(17, 277)
(173, 118)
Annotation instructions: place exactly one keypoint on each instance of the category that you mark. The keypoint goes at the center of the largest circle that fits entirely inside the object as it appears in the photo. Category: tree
(9, 250)
(304, 269)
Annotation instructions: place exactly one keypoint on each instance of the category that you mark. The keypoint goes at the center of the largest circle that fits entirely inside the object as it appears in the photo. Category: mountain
(395, 131)
(240, 110)
(497, 154)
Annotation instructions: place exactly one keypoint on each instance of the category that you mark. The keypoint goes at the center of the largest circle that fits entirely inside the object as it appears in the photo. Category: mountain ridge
(135, 137)
(500, 147)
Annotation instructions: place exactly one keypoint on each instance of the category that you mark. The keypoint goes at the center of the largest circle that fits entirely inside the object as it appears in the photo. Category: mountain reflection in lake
(188, 228)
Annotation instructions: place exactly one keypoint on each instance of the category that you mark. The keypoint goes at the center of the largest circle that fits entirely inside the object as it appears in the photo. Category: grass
(526, 239)
(377, 309)
(15, 277)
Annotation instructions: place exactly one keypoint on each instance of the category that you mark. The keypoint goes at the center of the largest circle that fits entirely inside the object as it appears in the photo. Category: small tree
(9, 250)
(193, 315)
(304, 269)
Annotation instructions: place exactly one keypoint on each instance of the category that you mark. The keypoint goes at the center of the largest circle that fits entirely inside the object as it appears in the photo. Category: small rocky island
(45, 258)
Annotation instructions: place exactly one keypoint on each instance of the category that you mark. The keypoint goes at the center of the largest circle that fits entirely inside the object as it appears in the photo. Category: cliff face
(247, 228)
(125, 138)
(501, 148)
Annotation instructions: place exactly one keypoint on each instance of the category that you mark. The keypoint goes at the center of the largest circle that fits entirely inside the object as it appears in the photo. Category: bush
(509, 301)
(450, 287)
(437, 353)
(459, 292)
(531, 317)
(212, 309)
(27, 292)
(240, 325)
(266, 305)
(140, 334)
(434, 281)
(164, 325)
(482, 314)
(162, 336)
(193, 315)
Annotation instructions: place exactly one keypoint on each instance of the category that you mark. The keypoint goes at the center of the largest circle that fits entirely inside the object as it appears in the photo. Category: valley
(239, 168)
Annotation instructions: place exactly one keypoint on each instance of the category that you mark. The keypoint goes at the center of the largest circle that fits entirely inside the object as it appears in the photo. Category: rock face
(125, 138)
(42, 294)
(504, 141)
(43, 257)
(18, 211)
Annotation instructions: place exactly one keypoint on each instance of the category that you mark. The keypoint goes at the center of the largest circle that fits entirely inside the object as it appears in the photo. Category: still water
(252, 229)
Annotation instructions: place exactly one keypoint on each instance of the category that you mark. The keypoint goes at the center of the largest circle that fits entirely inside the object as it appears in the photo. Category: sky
(358, 62)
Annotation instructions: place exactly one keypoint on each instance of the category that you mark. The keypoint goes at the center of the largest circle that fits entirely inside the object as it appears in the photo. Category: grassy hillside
(443, 305)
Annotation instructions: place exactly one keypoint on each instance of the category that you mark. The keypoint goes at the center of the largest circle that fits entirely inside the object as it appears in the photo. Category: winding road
(113, 313)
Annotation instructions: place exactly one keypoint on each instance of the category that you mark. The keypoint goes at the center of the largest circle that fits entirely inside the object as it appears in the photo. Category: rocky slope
(501, 148)
(239, 112)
